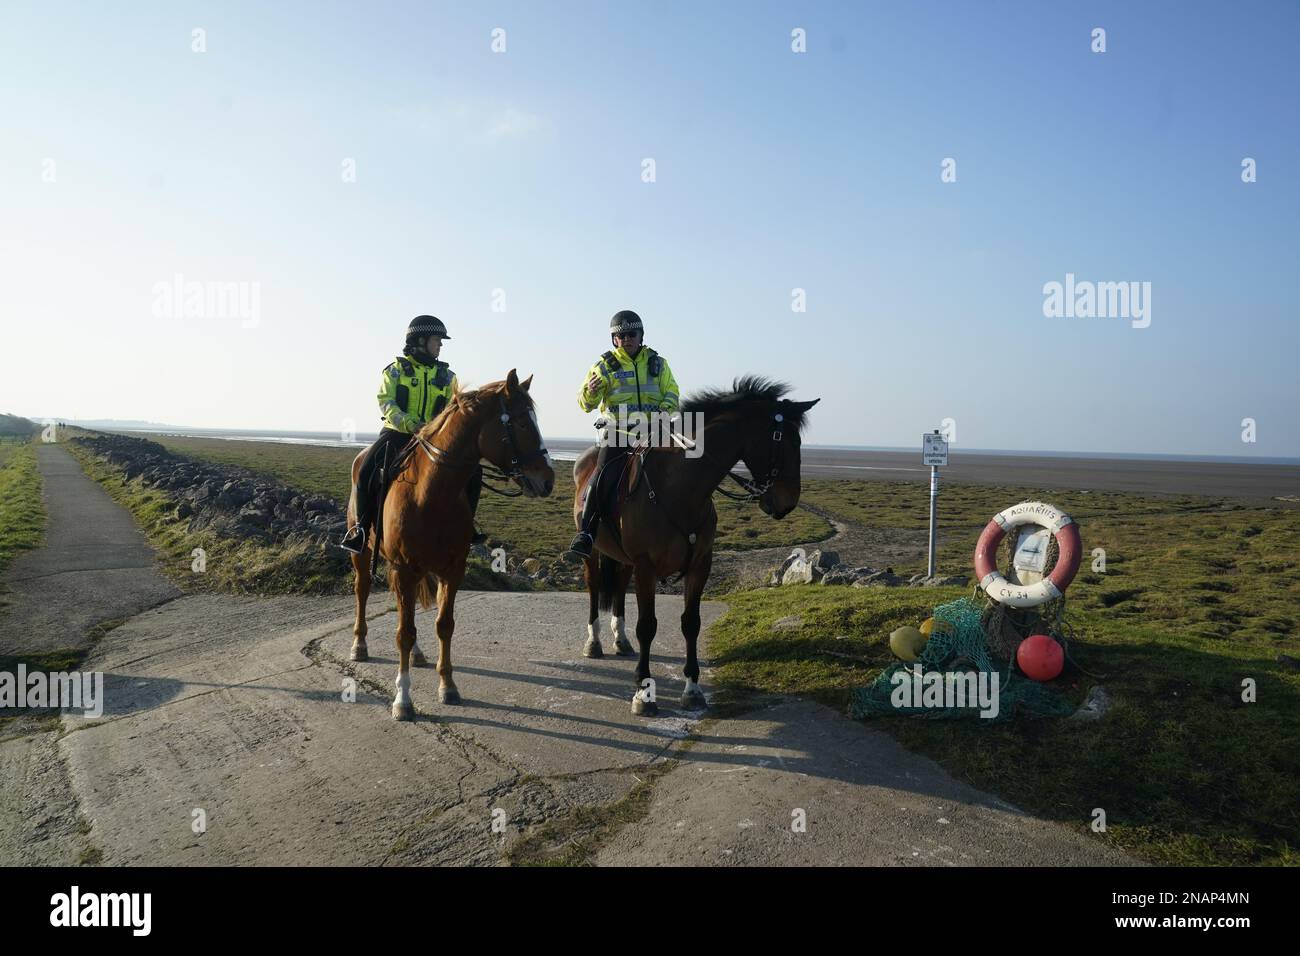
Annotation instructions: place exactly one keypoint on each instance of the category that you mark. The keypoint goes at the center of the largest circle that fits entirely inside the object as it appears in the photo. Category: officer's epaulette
(407, 365)
(611, 362)
(442, 375)
(654, 364)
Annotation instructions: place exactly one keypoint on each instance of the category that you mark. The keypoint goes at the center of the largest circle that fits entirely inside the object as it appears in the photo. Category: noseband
(517, 459)
(754, 490)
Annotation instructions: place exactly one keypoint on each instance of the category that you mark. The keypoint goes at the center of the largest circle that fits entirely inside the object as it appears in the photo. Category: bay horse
(427, 524)
(667, 522)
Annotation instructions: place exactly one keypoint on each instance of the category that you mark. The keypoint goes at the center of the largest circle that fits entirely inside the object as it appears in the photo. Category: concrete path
(95, 566)
(796, 784)
(234, 706)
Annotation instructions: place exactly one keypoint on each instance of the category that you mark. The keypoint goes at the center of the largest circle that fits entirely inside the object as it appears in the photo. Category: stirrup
(355, 546)
(580, 546)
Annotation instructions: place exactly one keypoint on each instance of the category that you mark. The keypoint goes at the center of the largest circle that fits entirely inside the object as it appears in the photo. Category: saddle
(616, 485)
(381, 477)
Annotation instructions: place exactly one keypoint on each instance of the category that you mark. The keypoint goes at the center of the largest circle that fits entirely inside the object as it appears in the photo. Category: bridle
(517, 458)
(754, 490)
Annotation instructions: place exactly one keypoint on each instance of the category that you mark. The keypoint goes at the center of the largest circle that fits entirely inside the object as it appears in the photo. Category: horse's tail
(426, 592)
(608, 577)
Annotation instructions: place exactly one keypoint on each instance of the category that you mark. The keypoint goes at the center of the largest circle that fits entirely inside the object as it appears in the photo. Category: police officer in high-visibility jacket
(630, 378)
(412, 391)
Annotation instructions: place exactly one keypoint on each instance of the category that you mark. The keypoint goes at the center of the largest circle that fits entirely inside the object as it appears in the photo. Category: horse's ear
(800, 407)
(512, 382)
(526, 382)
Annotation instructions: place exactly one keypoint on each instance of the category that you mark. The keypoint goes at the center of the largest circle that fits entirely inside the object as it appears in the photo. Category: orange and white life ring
(1051, 587)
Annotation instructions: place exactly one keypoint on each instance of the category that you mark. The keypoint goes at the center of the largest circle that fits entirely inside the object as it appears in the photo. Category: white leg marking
(403, 688)
(692, 687)
(616, 627)
(593, 630)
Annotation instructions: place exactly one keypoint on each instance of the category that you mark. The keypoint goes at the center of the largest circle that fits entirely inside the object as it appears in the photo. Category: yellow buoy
(907, 643)
(928, 626)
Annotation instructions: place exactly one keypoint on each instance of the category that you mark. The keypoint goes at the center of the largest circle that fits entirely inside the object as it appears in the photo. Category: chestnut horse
(667, 523)
(427, 525)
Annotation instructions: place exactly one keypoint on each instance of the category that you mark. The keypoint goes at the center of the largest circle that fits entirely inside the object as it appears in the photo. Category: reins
(753, 490)
(515, 472)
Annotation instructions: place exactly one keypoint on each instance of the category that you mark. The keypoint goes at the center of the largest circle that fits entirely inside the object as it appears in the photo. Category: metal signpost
(934, 452)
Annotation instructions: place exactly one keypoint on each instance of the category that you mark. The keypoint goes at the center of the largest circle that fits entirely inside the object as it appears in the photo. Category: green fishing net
(970, 638)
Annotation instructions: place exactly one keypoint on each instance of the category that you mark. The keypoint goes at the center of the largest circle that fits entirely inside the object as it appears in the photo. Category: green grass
(24, 722)
(22, 513)
(1197, 595)
(526, 527)
(1218, 568)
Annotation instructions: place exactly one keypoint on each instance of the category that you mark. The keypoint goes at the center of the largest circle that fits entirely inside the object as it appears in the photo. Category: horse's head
(512, 440)
(770, 450)
(768, 426)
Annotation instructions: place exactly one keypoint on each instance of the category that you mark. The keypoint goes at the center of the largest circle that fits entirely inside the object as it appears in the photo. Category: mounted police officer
(412, 391)
(629, 378)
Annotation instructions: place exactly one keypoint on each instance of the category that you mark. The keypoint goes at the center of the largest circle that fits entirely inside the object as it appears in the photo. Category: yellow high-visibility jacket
(643, 384)
(412, 393)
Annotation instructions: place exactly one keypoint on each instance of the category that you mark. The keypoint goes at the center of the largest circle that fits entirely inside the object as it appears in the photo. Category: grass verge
(22, 513)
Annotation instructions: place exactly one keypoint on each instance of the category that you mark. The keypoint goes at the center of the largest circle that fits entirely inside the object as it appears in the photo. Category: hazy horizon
(363, 437)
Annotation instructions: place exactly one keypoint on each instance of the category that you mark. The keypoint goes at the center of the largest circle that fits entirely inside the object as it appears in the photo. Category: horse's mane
(467, 401)
(749, 393)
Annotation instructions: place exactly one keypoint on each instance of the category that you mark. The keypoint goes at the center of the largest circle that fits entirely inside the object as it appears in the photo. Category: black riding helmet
(425, 325)
(626, 321)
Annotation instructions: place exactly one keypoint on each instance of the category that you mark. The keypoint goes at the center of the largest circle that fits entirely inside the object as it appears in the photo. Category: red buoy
(1040, 657)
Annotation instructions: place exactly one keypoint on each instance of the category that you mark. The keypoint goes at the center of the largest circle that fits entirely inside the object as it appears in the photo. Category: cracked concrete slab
(38, 806)
(795, 784)
(233, 706)
(528, 693)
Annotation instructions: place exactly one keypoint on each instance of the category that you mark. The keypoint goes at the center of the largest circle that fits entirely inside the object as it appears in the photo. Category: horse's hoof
(448, 695)
(403, 711)
(624, 648)
(644, 708)
(418, 659)
(359, 653)
(695, 701)
(593, 649)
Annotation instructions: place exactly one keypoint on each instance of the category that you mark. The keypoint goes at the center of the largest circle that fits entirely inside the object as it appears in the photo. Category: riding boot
(364, 494)
(355, 539)
(590, 521)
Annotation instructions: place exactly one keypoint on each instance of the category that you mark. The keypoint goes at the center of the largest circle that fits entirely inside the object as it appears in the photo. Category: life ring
(1063, 529)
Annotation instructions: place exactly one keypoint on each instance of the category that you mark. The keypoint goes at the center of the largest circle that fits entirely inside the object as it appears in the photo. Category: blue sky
(128, 159)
